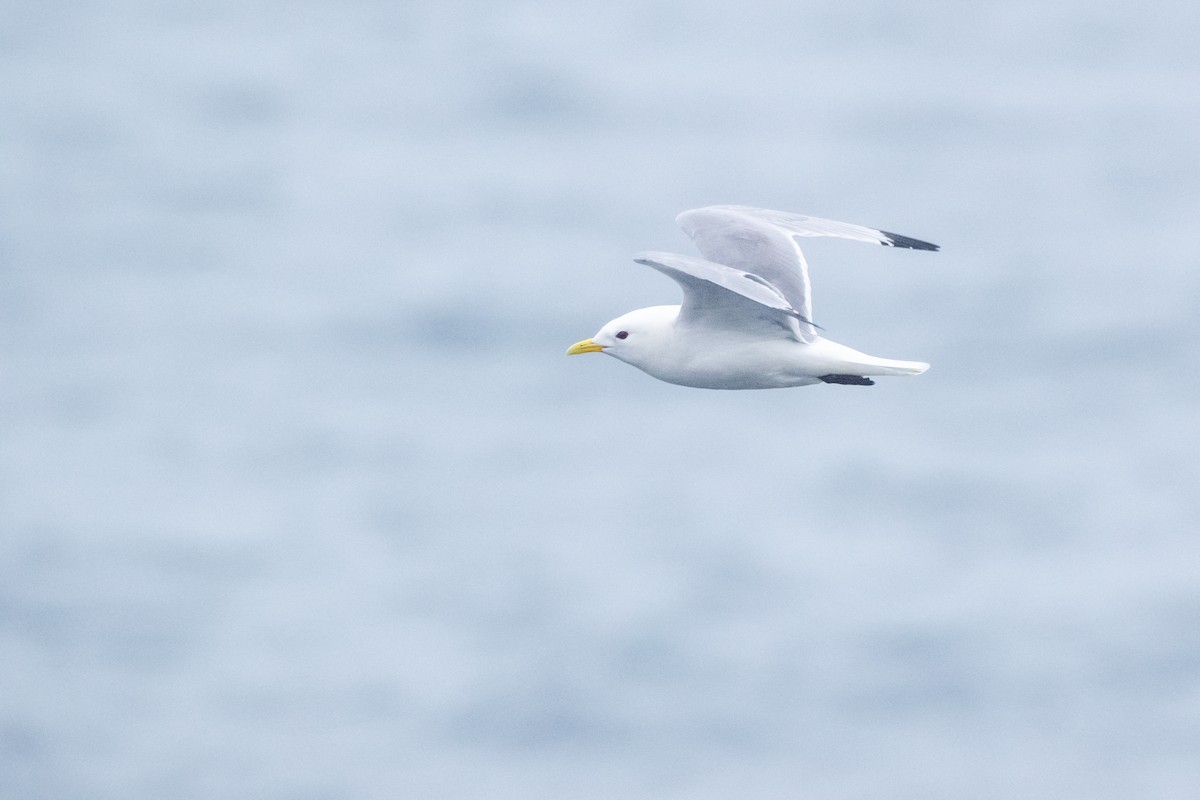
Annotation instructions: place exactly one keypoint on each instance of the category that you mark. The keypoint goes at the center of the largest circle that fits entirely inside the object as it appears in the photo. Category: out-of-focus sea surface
(300, 497)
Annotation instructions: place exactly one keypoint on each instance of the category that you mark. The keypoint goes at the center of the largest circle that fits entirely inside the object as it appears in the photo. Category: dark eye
(622, 334)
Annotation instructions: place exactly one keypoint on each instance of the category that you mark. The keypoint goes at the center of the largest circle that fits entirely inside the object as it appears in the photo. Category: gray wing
(718, 296)
(763, 242)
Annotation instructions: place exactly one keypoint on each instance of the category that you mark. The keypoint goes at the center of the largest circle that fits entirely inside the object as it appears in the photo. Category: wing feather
(717, 295)
(763, 242)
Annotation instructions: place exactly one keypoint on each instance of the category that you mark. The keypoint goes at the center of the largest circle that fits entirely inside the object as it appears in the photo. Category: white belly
(754, 363)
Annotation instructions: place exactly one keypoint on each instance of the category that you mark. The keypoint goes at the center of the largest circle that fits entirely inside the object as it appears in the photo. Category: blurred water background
(300, 498)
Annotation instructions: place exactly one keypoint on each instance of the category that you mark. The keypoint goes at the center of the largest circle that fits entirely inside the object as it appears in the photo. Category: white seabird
(746, 318)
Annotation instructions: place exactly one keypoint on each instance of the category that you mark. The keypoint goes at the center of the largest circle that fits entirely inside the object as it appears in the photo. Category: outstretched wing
(762, 242)
(718, 296)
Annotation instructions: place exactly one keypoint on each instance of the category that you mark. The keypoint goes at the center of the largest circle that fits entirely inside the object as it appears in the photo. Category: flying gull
(746, 320)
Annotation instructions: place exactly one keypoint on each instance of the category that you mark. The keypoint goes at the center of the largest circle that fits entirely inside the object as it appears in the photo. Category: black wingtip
(907, 242)
(847, 380)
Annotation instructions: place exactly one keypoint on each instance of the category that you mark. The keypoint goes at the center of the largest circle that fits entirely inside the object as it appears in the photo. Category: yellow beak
(586, 346)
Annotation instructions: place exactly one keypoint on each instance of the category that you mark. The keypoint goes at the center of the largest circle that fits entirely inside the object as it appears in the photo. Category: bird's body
(720, 358)
(746, 319)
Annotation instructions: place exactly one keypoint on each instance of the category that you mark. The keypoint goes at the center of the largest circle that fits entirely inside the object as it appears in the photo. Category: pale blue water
(299, 497)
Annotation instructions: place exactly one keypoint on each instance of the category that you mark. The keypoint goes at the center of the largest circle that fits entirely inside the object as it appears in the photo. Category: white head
(637, 338)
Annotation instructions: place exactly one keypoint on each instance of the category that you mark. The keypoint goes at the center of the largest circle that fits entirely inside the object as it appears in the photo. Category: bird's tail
(837, 359)
(889, 366)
